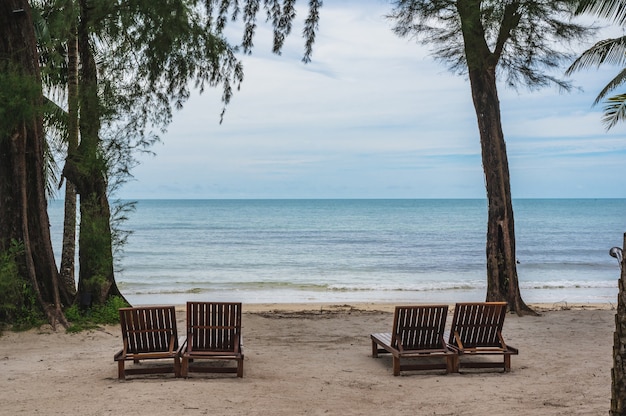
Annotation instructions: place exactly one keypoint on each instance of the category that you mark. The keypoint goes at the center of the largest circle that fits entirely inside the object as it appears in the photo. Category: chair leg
(374, 349)
(176, 366)
(121, 374)
(507, 363)
(451, 364)
(240, 367)
(184, 371)
(396, 366)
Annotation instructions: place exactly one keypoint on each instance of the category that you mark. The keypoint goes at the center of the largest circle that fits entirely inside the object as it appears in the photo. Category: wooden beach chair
(148, 333)
(213, 333)
(477, 330)
(418, 334)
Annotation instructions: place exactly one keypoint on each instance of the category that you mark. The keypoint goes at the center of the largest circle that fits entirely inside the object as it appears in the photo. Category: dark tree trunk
(502, 281)
(87, 170)
(23, 205)
(618, 373)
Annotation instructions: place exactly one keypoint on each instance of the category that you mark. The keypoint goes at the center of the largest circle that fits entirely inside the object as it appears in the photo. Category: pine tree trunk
(87, 170)
(502, 281)
(23, 205)
(618, 373)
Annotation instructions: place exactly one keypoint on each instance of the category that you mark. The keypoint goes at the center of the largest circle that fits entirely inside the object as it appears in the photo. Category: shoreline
(574, 296)
(388, 307)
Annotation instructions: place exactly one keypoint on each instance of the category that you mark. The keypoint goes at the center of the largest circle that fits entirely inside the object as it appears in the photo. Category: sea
(345, 251)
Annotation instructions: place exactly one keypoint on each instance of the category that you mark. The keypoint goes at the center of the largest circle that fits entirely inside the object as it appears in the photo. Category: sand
(316, 360)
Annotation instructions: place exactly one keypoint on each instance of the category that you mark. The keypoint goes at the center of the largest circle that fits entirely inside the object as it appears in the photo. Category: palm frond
(614, 10)
(614, 111)
(51, 169)
(614, 83)
(607, 51)
(55, 121)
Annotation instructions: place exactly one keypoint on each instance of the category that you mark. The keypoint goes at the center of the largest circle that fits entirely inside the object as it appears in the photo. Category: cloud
(372, 116)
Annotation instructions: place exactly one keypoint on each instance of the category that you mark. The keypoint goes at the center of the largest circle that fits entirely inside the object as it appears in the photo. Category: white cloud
(372, 116)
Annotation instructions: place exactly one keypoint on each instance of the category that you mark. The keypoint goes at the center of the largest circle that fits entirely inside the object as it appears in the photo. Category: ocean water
(279, 251)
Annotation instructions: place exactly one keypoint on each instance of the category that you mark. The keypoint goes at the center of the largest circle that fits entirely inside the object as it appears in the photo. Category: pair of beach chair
(419, 340)
(213, 333)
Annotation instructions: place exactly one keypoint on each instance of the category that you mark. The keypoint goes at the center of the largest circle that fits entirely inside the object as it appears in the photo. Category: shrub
(96, 315)
(18, 305)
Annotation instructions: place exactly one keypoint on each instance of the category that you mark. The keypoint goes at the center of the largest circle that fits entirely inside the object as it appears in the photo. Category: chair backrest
(213, 326)
(478, 324)
(149, 329)
(419, 327)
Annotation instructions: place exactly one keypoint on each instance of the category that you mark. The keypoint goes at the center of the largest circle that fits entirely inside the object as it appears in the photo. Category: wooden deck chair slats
(149, 330)
(214, 333)
(479, 324)
(418, 328)
(418, 333)
(477, 330)
(148, 333)
(215, 326)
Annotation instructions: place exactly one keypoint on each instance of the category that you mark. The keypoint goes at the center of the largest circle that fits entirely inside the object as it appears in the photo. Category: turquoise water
(259, 251)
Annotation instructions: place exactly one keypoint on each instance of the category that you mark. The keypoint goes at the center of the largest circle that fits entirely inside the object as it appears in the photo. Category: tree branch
(510, 20)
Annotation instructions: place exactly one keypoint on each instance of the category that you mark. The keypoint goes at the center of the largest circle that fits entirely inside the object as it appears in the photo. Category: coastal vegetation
(23, 203)
(90, 318)
(17, 305)
(122, 67)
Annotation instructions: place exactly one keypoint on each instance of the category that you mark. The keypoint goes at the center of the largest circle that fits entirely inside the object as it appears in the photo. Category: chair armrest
(457, 341)
(182, 344)
(502, 343)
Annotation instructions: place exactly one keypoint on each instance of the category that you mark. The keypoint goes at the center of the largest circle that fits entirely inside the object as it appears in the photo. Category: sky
(375, 116)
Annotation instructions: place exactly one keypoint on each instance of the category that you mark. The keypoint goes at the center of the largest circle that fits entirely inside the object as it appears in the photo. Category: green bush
(19, 94)
(18, 305)
(10, 282)
(95, 316)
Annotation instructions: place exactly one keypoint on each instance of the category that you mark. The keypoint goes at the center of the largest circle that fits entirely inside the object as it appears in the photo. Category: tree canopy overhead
(523, 40)
(134, 62)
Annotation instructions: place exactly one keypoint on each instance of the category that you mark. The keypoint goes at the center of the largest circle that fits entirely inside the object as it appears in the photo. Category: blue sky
(374, 116)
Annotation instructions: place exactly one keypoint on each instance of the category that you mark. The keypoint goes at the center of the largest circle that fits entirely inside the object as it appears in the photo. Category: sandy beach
(316, 360)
